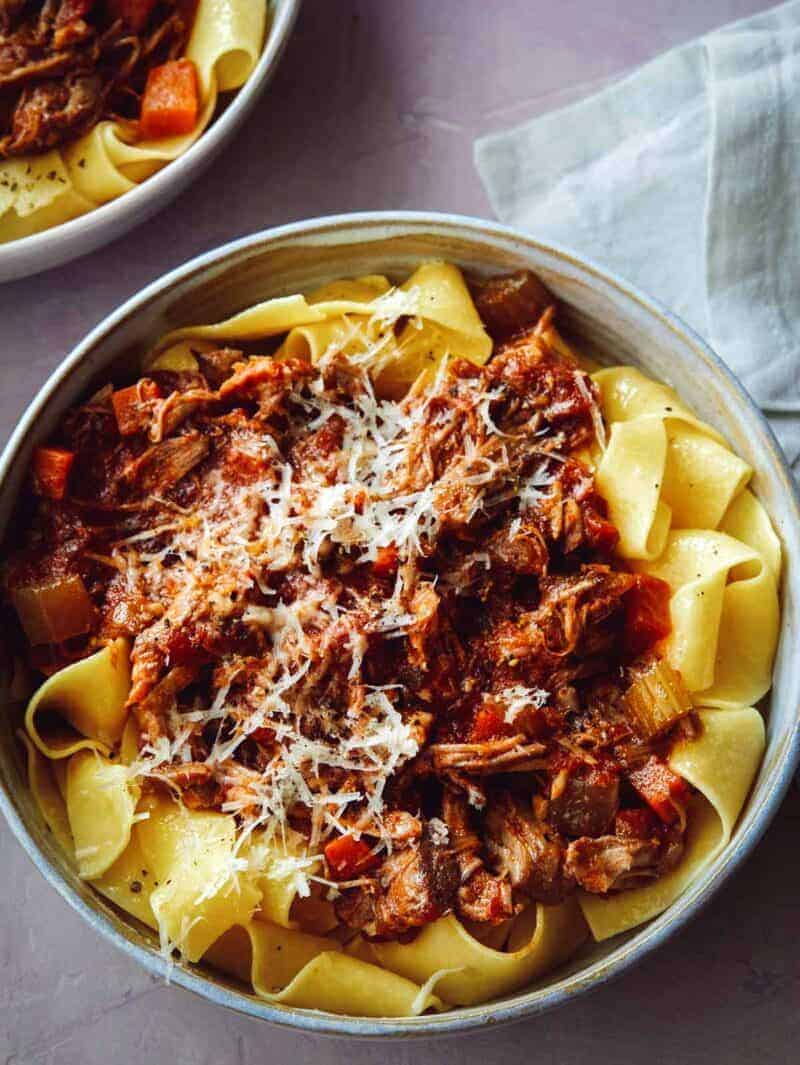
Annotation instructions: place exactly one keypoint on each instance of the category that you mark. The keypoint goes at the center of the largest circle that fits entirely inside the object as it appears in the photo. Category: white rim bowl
(56, 246)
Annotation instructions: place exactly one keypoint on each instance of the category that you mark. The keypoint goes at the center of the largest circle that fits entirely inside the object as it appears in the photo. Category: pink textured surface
(376, 107)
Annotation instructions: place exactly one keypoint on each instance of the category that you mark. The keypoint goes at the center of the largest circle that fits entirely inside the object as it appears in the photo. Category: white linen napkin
(685, 178)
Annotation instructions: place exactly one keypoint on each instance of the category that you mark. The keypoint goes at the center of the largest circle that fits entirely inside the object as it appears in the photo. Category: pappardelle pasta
(389, 653)
(97, 95)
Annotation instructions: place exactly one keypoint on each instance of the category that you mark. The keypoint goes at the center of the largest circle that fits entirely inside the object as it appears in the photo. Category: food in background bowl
(390, 651)
(96, 95)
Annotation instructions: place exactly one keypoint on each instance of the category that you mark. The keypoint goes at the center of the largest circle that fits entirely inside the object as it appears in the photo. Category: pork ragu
(398, 626)
(67, 64)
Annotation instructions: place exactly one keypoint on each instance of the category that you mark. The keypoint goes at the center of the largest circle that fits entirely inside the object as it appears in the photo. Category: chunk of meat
(570, 605)
(266, 381)
(508, 304)
(10, 12)
(510, 754)
(524, 849)
(520, 548)
(486, 898)
(54, 111)
(609, 863)
(193, 781)
(424, 607)
(588, 802)
(402, 827)
(164, 464)
(151, 713)
(481, 896)
(217, 365)
(177, 408)
(21, 62)
(415, 886)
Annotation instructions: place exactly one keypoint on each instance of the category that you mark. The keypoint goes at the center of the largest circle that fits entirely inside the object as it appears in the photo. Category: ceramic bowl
(53, 247)
(615, 323)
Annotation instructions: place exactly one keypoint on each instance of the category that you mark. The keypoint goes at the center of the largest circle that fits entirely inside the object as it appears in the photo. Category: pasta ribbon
(128, 883)
(357, 317)
(663, 467)
(746, 520)
(201, 891)
(274, 863)
(47, 795)
(41, 191)
(542, 937)
(721, 763)
(88, 698)
(295, 969)
(100, 805)
(725, 616)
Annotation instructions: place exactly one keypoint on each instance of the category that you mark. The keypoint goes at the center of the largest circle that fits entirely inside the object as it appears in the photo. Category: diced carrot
(647, 616)
(348, 857)
(386, 559)
(171, 100)
(134, 13)
(660, 788)
(130, 405)
(635, 823)
(51, 466)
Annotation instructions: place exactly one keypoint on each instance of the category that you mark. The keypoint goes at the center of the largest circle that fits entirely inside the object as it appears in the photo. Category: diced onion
(51, 613)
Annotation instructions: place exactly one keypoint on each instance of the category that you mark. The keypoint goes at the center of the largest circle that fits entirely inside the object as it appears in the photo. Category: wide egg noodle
(542, 937)
(357, 315)
(746, 520)
(128, 883)
(626, 393)
(721, 763)
(293, 968)
(663, 467)
(201, 891)
(273, 862)
(451, 326)
(629, 478)
(82, 706)
(725, 616)
(47, 795)
(701, 478)
(101, 803)
(41, 191)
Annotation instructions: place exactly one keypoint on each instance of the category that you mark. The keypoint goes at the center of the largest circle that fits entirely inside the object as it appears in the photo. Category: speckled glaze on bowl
(613, 321)
(53, 247)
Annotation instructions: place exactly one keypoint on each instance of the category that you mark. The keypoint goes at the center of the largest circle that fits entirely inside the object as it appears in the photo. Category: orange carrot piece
(658, 785)
(130, 405)
(171, 100)
(51, 466)
(347, 857)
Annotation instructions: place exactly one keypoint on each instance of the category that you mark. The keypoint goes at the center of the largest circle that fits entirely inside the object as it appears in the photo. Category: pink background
(376, 106)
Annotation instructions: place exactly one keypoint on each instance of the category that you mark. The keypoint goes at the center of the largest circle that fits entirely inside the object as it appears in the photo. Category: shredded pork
(396, 626)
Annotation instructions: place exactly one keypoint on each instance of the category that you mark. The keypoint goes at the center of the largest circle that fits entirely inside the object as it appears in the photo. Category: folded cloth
(684, 177)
